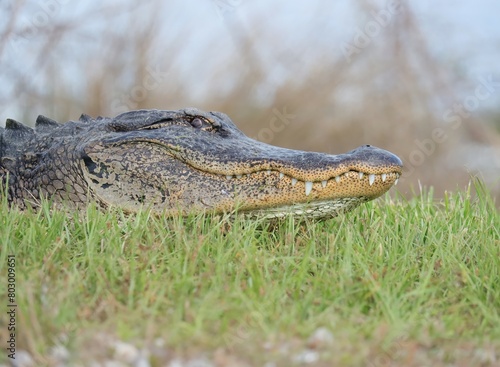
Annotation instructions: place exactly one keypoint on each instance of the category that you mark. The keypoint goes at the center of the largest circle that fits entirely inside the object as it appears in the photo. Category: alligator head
(184, 161)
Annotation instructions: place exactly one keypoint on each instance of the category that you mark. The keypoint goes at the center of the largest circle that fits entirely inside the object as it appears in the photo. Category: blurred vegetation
(392, 92)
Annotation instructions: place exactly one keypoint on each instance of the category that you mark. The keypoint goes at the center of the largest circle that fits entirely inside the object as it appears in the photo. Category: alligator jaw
(303, 183)
(324, 199)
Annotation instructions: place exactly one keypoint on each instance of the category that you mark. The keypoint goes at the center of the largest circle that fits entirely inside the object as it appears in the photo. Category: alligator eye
(197, 123)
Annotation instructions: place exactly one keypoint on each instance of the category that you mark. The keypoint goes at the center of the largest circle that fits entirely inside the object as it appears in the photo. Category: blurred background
(421, 79)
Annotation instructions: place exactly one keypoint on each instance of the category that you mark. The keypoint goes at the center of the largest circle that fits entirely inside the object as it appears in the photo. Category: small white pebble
(320, 338)
(307, 356)
(159, 342)
(23, 359)
(125, 352)
(60, 353)
(142, 361)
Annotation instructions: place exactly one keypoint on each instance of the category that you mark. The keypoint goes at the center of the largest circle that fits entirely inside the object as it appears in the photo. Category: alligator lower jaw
(368, 184)
(283, 196)
(312, 210)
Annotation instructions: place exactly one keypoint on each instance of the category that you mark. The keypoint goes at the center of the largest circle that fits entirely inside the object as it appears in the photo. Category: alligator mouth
(391, 178)
(317, 199)
(375, 179)
(273, 194)
(345, 178)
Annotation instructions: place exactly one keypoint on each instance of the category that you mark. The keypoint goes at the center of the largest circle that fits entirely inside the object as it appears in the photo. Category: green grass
(407, 282)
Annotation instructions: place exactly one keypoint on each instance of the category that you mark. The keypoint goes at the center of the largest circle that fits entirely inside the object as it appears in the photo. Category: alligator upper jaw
(367, 164)
(246, 156)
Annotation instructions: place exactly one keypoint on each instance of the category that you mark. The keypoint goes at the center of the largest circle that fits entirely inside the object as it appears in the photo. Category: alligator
(183, 161)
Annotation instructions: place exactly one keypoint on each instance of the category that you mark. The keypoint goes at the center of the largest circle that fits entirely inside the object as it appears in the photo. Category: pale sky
(462, 33)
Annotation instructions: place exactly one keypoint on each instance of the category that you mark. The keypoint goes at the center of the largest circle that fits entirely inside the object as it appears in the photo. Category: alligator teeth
(324, 183)
(397, 179)
(309, 187)
(371, 179)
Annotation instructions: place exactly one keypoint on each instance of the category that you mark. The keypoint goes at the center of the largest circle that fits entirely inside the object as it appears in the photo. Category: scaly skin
(184, 161)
